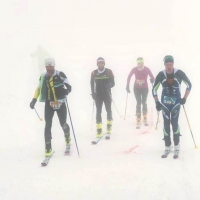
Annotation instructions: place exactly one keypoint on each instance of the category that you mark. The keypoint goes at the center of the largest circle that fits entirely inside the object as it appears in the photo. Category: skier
(102, 80)
(52, 91)
(140, 89)
(171, 79)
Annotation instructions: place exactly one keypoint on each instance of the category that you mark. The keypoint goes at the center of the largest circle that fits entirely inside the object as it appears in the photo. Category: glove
(158, 106)
(182, 101)
(152, 81)
(60, 91)
(107, 87)
(127, 89)
(33, 102)
(94, 96)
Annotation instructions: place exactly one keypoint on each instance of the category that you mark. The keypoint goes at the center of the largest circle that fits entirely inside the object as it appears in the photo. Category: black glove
(94, 96)
(152, 81)
(107, 87)
(60, 91)
(158, 106)
(182, 101)
(127, 89)
(33, 102)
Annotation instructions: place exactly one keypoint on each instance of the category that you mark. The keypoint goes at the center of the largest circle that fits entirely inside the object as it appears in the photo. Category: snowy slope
(126, 167)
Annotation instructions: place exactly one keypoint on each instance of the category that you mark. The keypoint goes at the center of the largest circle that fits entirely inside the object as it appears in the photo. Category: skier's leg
(62, 115)
(166, 128)
(138, 96)
(49, 112)
(99, 103)
(144, 103)
(107, 102)
(174, 121)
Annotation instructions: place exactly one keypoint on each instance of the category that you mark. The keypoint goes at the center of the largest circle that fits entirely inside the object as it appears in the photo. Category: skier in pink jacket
(140, 89)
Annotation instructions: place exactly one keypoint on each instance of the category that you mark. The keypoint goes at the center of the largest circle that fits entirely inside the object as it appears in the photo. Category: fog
(76, 33)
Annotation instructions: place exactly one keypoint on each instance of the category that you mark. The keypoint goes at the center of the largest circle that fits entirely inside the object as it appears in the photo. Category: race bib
(140, 82)
(169, 100)
(56, 105)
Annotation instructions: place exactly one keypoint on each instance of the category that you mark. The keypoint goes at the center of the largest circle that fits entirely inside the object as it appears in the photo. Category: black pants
(99, 102)
(49, 113)
(171, 117)
(141, 98)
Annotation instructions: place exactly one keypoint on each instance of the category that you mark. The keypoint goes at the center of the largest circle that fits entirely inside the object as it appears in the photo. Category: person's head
(169, 64)
(50, 66)
(100, 63)
(140, 63)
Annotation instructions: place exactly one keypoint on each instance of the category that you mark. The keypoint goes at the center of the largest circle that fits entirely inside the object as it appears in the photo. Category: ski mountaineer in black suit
(171, 79)
(52, 91)
(102, 80)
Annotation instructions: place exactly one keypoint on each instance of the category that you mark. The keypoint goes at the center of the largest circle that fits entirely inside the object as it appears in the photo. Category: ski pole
(126, 106)
(38, 115)
(156, 128)
(92, 114)
(114, 104)
(189, 127)
(72, 126)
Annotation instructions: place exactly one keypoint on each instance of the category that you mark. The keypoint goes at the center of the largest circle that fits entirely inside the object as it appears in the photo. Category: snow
(129, 165)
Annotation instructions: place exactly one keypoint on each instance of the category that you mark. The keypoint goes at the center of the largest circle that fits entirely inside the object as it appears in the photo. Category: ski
(146, 124)
(165, 154)
(138, 126)
(96, 140)
(175, 156)
(67, 150)
(167, 151)
(107, 137)
(46, 160)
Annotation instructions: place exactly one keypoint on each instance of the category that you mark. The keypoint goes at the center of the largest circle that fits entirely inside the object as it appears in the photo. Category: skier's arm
(156, 86)
(66, 82)
(187, 82)
(151, 76)
(129, 76)
(112, 80)
(37, 92)
(92, 82)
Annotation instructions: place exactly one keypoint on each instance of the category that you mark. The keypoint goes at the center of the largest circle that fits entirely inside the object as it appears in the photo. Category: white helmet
(49, 62)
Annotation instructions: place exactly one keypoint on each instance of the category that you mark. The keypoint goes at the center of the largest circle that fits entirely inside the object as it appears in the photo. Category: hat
(168, 58)
(100, 59)
(49, 62)
(140, 60)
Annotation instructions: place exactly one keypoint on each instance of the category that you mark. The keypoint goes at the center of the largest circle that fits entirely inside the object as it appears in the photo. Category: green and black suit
(170, 100)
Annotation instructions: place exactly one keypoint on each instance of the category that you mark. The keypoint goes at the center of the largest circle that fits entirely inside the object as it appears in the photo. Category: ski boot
(66, 130)
(48, 152)
(167, 151)
(145, 119)
(48, 149)
(99, 130)
(138, 123)
(109, 129)
(176, 151)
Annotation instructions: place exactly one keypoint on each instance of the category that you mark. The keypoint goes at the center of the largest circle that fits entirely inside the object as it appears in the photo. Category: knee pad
(66, 128)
